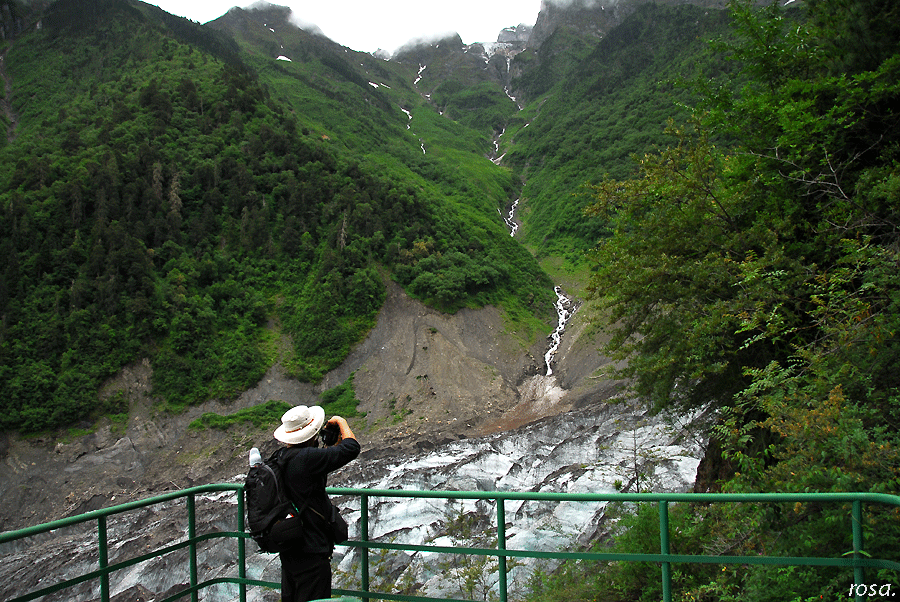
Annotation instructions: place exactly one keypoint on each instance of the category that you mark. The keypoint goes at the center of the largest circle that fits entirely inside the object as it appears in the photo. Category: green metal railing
(858, 560)
(105, 569)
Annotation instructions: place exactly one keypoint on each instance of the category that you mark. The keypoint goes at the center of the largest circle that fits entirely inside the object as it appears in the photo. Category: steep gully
(561, 433)
(565, 306)
(592, 446)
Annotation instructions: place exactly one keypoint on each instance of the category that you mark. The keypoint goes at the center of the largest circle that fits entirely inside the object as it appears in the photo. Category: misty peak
(517, 34)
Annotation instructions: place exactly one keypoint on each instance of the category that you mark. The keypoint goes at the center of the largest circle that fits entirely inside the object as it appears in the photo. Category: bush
(264, 415)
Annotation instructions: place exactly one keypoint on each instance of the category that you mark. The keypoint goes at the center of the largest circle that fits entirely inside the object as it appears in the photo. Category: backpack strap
(282, 456)
(317, 513)
(282, 492)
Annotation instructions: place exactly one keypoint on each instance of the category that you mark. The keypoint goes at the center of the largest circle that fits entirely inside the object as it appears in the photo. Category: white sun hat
(300, 424)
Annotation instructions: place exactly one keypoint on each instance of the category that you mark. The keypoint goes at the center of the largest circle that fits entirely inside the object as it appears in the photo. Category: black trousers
(305, 577)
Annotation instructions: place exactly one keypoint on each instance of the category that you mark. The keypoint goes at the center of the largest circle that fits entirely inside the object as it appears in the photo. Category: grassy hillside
(461, 84)
(595, 112)
(169, 192)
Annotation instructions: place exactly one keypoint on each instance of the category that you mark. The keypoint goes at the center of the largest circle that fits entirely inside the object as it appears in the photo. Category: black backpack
(274, 521)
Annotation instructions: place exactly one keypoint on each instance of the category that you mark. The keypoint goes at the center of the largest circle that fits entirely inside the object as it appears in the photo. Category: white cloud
(369, 25)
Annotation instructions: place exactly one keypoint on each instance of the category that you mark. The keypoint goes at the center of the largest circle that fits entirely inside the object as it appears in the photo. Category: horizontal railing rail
(105, 568)
(858, 560)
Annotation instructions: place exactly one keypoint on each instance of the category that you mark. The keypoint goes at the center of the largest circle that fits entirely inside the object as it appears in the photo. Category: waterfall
(564, 305)
(564, 311)
(509, 218)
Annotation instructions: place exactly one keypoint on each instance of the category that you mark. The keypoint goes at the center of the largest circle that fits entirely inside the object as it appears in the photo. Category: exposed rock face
(16, 17)
(586, 16)
(424, 50)
(515, 35)
(443, 373)
(594, 18)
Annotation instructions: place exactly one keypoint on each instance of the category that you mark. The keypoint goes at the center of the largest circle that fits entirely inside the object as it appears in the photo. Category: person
(306, 568)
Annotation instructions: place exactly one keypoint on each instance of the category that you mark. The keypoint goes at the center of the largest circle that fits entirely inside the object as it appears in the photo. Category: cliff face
(590, 17)
(593, 18)
(515, 35)
(16, 17)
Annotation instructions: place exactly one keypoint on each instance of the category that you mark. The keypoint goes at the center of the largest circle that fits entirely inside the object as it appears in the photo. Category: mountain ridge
(168, 191)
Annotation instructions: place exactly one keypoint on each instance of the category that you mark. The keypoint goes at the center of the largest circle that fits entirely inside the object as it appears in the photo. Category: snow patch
(419, 74)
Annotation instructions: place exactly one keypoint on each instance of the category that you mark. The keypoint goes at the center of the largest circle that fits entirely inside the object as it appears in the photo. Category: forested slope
(160, 199)
(751, 269)
(594, 106)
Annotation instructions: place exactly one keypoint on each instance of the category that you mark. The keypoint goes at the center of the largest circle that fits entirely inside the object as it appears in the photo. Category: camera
(330, 434)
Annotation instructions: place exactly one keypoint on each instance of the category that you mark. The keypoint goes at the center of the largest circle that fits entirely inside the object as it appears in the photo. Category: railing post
(192, 533)
(501, 546)
(103, 553)
(242, 547)
(364, 538)
(664, 549)
(858, 572)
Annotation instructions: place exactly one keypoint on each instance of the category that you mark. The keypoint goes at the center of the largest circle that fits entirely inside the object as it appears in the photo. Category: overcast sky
(367, 25)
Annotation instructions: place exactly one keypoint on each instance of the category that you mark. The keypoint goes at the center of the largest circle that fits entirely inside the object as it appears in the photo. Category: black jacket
(305, 473)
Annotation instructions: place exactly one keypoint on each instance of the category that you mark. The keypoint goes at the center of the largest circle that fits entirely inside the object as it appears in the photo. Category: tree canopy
(751, 267)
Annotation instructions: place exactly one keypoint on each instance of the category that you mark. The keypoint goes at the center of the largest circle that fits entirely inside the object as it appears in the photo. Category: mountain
(204, 224)
(239, 201)
(193, 211)
(595, 18)
(593, 105)
(225, 200)
(13, 19)
(249, 214)
(464, 83)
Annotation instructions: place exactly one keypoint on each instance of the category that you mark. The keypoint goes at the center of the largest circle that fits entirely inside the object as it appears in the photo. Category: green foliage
(260, 416)
(636, 531)
(541, 69)
(341, 400)
(482, 106)
(162, 199)
(609, 104)
(673, 271)
(752, 267)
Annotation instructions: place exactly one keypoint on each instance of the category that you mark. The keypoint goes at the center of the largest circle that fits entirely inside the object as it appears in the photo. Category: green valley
(720, 185)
